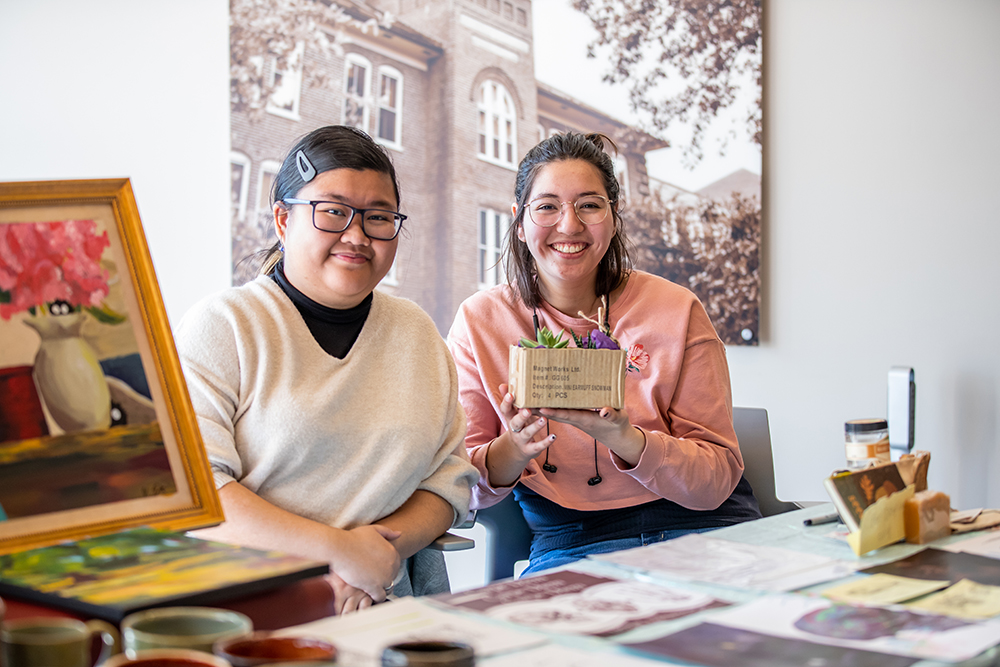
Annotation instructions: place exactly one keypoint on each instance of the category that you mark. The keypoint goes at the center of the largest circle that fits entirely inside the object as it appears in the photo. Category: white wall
(881, 191)
(882, 197)
(135, 88)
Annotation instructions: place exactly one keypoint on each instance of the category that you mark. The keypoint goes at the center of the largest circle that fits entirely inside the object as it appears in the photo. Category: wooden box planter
(567, 377)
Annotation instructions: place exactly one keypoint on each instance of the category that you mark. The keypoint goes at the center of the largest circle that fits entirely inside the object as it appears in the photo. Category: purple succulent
(601, 341)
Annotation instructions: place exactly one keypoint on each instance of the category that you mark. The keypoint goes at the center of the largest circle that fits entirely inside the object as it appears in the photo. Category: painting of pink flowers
(97, 432)
(47, 262)
(84, 429)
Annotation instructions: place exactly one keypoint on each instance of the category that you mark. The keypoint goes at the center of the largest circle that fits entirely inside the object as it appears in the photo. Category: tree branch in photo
(712, 248)
(268, 38)
(683, 61)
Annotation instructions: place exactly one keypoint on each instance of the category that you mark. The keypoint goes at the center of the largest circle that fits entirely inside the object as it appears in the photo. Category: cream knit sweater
(340, 441)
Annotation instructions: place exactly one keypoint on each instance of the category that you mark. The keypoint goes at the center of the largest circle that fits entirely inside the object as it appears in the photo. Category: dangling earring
(596, 479)
(547, 467)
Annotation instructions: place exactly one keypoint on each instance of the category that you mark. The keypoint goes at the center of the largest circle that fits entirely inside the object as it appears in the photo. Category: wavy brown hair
(517, 259)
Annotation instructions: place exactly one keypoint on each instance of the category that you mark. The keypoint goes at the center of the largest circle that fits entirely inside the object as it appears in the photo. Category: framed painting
(97, 432)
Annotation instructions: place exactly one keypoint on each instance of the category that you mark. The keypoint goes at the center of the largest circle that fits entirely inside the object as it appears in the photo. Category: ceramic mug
(168, 657)
(196, 628)
(264, 648)
(428, 654)
(55, 642)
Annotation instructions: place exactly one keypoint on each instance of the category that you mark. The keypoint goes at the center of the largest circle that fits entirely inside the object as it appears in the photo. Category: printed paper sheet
(697, 557)
(898, 631)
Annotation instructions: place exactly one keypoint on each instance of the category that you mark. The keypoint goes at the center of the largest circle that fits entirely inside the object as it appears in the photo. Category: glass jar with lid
(866, 442)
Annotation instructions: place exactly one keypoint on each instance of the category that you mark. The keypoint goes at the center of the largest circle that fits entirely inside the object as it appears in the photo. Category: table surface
(360, 635)
(782, 530)
(312, 599)
(788, 531)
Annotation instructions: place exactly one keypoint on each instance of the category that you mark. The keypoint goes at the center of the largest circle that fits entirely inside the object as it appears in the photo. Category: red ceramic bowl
(263, 648)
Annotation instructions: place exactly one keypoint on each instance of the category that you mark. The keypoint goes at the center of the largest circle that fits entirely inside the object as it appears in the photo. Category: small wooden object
(927, 517)
(913, 467)
(567, 378)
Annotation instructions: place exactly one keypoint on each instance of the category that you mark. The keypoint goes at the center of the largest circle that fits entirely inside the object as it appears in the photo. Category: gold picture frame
(97, 432)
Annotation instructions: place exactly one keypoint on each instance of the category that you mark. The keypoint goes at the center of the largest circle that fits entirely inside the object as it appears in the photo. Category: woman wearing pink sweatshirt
(594, 481)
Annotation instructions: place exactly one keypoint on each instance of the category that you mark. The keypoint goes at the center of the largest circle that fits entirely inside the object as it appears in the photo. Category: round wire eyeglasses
(590, 210)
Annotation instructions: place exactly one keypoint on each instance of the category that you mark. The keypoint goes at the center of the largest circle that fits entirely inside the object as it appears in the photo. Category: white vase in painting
(69, 378)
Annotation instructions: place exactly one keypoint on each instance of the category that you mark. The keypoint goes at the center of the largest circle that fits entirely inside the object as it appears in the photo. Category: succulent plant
(546, 339)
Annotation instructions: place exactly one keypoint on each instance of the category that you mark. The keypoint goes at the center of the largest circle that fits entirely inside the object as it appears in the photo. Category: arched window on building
(265, 182)
(239, 184)
(492, 225)
(284, 101)
(390, 107)
(497, 124)
(357, 91)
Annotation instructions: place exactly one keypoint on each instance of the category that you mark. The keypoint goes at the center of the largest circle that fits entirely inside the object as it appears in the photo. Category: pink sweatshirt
(681, 400)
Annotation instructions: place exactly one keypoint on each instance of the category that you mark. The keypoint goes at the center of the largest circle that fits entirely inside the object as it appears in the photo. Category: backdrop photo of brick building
(449, 88)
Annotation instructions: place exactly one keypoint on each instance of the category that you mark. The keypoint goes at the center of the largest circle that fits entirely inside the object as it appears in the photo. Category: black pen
(826, 518)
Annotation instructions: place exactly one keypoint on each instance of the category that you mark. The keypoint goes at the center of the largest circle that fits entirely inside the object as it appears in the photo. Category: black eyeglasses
(335, 217)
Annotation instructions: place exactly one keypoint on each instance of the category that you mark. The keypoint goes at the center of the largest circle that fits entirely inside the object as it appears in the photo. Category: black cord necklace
(549, 467)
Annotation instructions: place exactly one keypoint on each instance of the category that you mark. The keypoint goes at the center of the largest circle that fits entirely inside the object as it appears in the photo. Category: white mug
(196, 628)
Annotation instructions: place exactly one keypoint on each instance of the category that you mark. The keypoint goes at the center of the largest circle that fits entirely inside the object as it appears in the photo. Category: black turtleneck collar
(335, 330)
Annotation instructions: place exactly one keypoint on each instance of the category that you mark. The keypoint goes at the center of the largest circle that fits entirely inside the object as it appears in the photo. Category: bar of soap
(927, 517)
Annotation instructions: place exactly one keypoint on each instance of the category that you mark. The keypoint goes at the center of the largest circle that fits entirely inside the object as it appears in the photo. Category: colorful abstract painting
(113, 575)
